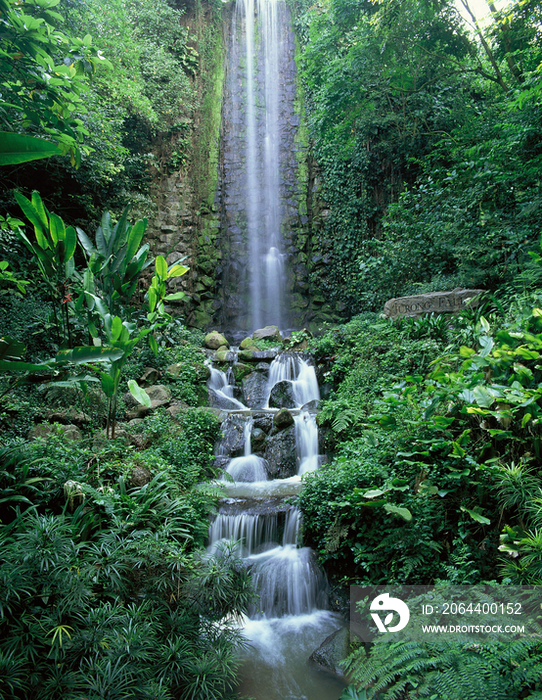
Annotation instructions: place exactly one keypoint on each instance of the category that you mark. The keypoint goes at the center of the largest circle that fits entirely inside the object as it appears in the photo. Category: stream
(291, 616)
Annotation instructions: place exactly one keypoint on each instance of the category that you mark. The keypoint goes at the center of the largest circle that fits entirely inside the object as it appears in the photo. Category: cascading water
(264, 458)
(290, 617)
(256, 200)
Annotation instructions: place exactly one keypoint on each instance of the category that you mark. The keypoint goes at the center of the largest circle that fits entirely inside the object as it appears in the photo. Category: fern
(453, 670)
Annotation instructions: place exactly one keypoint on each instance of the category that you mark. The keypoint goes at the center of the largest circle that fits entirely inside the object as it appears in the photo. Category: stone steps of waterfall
(254, 506)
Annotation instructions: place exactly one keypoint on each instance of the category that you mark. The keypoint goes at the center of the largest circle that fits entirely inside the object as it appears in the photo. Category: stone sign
(432, 303)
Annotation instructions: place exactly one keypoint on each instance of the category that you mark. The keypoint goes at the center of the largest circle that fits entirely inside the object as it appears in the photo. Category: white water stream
(290, 617)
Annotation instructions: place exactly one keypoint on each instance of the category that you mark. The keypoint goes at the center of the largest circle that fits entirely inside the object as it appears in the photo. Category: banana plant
(115, 260)
(53, 249)
(121, 336)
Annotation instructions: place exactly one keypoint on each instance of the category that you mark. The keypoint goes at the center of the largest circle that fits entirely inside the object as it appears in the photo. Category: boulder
(159, 392)
(283, 419)
(311, 406)
(139, 476)
(248, 344)
(332, 651)
(149, 377)
(433, 302)
(282, 395)
(44, 430)
(257, 439)
(280, 454)
(68, 416)
(240, 370)
(263, 421)
(232, 442)
(222, 355)
(268, 333)
(254, 390)
(176, 408)
(214, 340)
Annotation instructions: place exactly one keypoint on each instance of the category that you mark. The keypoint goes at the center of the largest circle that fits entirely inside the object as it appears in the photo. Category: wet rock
(241, 370)
(268, 333)
(254, 390)
(214, 340)
(246, 355)
(280, 454)
(283, 419)
(311, 406)
(263, 421)
(257, 439)
(282, 395)
(267, 355)
(332, 651)
(233, 439)
(222, 355)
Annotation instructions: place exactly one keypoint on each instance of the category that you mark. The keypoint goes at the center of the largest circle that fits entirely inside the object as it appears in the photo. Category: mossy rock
(248, 344)
(222, 355)
(201, 318)
(215, 340)
(240, 371)
(247, 355)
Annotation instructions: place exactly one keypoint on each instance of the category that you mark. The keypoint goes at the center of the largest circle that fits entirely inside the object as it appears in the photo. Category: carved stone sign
(432, 303)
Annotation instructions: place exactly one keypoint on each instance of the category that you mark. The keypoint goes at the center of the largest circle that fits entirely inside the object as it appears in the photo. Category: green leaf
(15, 366)
(88, 354)
(161, 267)
(139, 394)
(483, 397)
(476, 516)
(116, 329)
(70, 243)
(153, 344)
(9, 347)
(134, 239)
(177, 271)
(374, 493)
(175, 297)
(20, 148)
(108, 384)
(397, 510)
(29, 211)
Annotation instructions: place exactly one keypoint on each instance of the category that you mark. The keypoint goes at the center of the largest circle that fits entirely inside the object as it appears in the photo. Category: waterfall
(221, 386)
(256, 200)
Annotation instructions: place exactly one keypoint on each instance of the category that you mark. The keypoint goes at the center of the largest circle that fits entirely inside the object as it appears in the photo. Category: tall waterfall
(255, 197)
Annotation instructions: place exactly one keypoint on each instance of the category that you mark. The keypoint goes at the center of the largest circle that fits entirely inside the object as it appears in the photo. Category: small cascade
(306, 432)
(290, 617)
(292, 368)
(221, 387)
(252, 531)
(249, 467)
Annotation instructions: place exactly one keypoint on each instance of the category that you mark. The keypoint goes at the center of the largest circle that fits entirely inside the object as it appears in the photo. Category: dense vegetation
(427, 136)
